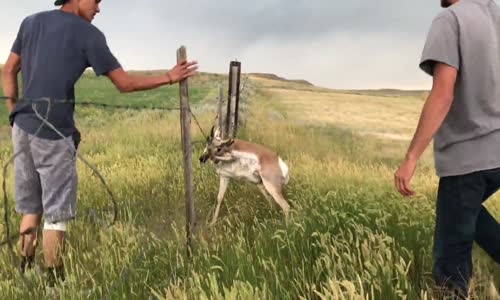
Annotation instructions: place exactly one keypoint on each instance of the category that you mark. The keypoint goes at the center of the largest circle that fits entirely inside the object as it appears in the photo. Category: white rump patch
(284, 169)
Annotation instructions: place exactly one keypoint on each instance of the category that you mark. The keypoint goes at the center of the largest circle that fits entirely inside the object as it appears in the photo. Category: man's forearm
(433, 114)
(10, 88)
(139, 83)
(126, 82)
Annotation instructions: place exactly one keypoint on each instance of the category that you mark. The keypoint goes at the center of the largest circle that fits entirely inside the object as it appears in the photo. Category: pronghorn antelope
(240, 159)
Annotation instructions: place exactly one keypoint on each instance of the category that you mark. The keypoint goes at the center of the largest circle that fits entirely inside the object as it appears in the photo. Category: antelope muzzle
(204, 157)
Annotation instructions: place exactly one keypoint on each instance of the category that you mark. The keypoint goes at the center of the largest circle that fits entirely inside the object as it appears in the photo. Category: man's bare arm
(126, 82)
(433, 114)
(9, 79)
(435, 109)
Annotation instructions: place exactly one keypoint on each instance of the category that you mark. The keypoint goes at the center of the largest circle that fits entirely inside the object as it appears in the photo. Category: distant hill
(390, 93)
(276, 77)
(204, 74)
(274, 81)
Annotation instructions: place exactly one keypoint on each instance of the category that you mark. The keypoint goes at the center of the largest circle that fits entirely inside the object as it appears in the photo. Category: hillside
(349, 235)
(277, 78)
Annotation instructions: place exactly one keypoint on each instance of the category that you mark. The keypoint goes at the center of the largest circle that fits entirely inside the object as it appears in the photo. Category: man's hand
(403, 176)
(182, 71)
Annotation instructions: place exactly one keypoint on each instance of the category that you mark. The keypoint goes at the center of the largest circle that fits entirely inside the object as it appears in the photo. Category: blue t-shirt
(55, 49)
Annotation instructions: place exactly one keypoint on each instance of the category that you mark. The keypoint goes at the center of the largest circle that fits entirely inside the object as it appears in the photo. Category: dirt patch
(389, 136)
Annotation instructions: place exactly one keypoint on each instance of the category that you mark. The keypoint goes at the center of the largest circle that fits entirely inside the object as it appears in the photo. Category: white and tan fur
(252, 162)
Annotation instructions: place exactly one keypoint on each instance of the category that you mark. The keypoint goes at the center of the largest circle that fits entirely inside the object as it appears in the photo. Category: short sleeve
(99, 56)
(18, 43)
(442, 45)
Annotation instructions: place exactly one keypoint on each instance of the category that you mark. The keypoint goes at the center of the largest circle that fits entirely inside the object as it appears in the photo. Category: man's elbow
(125, 85)
(9, 71)
(446, 98)
(441, 100)
(121, 80)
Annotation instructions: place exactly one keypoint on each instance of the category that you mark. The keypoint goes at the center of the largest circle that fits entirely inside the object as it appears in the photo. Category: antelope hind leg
(275, 192)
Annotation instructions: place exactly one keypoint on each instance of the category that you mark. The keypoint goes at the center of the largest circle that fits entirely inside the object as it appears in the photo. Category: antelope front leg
(224, 181)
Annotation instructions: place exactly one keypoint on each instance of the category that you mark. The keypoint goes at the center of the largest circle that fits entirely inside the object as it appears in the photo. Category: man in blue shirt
(52, 50)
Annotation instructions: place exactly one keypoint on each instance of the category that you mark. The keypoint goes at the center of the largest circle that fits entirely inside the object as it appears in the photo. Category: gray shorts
(45, 177)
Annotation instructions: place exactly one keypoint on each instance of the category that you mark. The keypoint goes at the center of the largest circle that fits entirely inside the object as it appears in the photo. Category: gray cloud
(297, 18)
(343, 44)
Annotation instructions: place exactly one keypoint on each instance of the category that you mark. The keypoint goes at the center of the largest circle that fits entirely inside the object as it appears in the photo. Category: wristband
(169, 78)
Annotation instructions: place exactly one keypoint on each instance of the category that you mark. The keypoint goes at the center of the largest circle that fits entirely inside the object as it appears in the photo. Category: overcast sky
(353, 44)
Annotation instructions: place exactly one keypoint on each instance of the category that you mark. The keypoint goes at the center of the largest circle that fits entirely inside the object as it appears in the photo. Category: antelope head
(217, 149)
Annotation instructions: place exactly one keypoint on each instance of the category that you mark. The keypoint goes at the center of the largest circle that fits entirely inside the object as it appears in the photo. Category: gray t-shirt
(55, 48)
(466, 36)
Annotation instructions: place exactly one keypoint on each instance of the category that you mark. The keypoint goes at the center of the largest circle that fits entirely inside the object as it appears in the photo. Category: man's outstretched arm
(126, 82)
(433, 114)
(9, 79)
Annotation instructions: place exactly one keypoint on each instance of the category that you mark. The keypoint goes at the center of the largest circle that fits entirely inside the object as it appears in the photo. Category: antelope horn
(210, 138)
(228, 143)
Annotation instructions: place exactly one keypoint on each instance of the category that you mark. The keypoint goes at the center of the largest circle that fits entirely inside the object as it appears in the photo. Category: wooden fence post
(220, 120)
(236, 91)
(186, 150)
(233, 99)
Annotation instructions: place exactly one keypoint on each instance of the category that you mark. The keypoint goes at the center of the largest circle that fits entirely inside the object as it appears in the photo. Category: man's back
(466, 36)
(55, 48)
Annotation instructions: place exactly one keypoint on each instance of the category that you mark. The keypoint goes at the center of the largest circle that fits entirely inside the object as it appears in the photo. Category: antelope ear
(218, 133)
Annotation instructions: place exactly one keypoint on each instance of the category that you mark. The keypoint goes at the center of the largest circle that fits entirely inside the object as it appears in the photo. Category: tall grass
(349, 236)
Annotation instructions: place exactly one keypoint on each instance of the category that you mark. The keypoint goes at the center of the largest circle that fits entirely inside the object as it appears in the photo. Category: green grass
(350, 235)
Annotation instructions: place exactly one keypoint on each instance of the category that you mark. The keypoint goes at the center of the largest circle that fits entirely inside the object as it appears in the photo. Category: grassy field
(350, 235)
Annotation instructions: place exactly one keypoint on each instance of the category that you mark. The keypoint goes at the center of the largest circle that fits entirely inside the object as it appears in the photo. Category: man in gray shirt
(462, 113)
(52, 50)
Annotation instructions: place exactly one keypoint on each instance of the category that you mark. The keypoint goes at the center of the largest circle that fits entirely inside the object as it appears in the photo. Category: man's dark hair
(60, 2)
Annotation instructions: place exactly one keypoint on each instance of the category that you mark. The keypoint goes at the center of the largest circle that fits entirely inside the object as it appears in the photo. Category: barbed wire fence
(87, 103)
(45, 122)
(92, 213)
